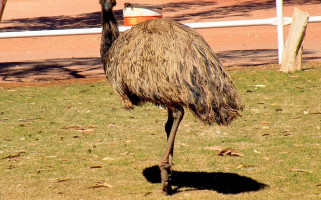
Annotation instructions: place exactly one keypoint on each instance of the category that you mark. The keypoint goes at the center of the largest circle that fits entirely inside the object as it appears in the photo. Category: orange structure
(138, 13)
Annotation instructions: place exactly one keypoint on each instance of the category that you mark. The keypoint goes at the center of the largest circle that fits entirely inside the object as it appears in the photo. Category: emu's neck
(110, 31)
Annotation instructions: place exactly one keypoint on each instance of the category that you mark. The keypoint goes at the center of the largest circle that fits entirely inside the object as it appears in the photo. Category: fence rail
(200, 25)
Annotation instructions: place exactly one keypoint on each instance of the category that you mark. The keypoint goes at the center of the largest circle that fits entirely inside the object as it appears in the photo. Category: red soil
(76, 57)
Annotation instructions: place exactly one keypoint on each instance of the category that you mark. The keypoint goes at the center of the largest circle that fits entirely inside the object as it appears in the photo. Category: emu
(169, 64)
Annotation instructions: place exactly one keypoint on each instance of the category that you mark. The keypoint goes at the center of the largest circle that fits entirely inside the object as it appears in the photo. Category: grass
(74, 141)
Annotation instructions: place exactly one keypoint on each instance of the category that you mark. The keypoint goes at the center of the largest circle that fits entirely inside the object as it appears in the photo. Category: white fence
(280, 21)
(200, 25)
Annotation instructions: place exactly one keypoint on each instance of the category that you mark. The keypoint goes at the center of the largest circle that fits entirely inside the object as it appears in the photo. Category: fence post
(292, 55)
(279, 15)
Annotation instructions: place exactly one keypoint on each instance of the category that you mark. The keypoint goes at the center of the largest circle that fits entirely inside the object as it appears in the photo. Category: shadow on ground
(226, 183)
(51, 69)
(254, 57)
(187, 9)
(211, 11)
(73, 68)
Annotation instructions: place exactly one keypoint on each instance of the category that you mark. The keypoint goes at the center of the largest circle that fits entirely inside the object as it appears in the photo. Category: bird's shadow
(225, 183)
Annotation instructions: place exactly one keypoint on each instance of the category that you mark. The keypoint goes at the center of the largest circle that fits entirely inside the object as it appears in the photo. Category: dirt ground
(36, 59)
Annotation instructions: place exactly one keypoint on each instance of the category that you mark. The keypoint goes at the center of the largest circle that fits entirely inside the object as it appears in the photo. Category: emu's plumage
(167, 63)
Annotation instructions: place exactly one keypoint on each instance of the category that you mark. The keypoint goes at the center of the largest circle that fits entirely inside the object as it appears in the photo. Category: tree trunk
(292, 55)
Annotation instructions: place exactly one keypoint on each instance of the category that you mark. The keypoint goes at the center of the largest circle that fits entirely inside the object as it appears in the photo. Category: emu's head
(107, 5)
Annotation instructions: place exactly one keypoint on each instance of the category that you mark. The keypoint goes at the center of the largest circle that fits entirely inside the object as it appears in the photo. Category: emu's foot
(166, 174)
(167, 188)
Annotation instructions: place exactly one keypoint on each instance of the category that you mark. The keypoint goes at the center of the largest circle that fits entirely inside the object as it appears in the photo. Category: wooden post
(292, 55)
(2, 5)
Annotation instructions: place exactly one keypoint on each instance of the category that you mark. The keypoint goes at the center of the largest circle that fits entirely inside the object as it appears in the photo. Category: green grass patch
(76, 142)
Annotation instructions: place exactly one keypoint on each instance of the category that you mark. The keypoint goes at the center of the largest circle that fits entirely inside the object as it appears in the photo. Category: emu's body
(167, 63)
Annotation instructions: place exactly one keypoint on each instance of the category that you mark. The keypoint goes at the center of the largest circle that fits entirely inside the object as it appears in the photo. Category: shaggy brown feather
(167, 63)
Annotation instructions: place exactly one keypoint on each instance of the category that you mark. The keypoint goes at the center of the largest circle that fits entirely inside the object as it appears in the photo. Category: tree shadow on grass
(225, 183)
(71, 68)
(51, 69)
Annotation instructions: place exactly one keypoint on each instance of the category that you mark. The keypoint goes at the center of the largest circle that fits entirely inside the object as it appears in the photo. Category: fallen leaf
(318, 185)
(259, 86)
(316, 113)
(88, 129)
(230, 152)
(14, 156)
(11, 167)
(214, 148)
(62, 180)
(264, 122)
(107, 185)
(85, 131)
(300, 170)
(100, 185)
(256, 151)
(108, 158)
(96, 167)
(72, 127)
(28, 120)
(240, 166)
(96, 186)
(148, 193)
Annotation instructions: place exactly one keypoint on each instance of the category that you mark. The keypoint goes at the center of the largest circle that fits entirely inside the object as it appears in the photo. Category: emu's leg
(175, 116)
(168, 128)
